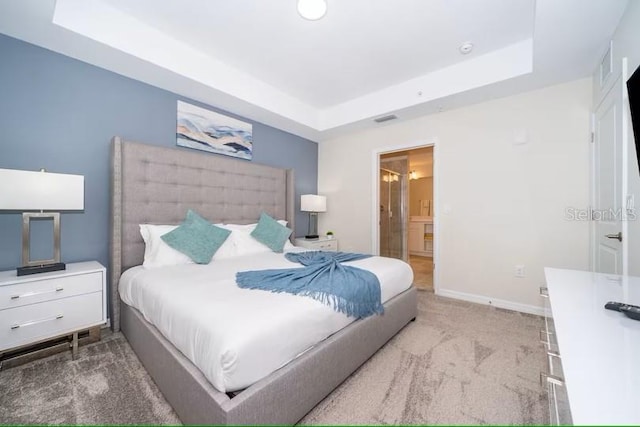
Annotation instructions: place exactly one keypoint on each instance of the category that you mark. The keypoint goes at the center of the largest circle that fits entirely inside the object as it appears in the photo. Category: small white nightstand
(320, 244)
(39, 307)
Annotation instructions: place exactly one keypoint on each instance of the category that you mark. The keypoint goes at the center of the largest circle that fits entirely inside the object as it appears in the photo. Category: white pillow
(228, 248)
(245, 243)
(287, 245)
(156, 252)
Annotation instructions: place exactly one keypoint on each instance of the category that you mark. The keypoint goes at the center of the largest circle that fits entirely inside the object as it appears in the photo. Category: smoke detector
(312, 9)
(466, 48)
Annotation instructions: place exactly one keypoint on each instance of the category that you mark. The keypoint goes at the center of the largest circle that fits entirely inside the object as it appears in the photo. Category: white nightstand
(40, 307)
(320, 244)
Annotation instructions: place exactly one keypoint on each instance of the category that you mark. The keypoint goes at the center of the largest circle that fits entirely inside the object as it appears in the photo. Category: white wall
(626, 43)
(507, 201)
(420, 189)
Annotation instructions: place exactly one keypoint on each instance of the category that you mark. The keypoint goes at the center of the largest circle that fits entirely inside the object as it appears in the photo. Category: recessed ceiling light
(466, 48)
(312, 9)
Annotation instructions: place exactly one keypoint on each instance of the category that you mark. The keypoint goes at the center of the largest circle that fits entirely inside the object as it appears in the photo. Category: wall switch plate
(520, 273)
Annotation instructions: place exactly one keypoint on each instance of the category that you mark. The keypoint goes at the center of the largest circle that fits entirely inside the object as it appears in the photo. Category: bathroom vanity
(421, 236)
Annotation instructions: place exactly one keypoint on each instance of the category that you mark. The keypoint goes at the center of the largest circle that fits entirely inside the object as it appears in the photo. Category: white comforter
(239, 336)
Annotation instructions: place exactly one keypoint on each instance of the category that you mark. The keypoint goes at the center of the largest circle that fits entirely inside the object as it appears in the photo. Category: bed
(152, 184)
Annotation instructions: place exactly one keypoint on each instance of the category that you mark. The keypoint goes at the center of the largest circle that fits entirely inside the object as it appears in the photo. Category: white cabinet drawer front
(318, 245)
(49, 289)
(22, 325)
(559, 410)
(327, 246)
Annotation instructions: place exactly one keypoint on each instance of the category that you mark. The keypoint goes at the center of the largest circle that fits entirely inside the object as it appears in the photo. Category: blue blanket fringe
(349, 290)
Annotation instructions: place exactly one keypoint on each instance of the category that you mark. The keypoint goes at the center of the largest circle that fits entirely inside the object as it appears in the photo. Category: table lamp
(33, 193)
(313, 204)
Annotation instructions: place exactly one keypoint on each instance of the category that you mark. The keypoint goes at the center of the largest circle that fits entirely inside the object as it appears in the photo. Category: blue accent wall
(60, 114)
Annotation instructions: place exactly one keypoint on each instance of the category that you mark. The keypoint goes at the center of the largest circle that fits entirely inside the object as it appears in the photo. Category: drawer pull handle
(550, 379)
(544, 292)
(553, 354)
(33, 294)
(35, 322)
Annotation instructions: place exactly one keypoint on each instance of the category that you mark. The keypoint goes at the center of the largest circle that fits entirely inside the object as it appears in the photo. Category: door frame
(375, 199)
(624, 170)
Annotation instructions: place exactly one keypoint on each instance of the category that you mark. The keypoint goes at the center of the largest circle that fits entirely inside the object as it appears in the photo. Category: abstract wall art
(206, 130)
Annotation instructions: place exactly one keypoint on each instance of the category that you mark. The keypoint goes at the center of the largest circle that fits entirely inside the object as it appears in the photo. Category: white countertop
(427, 219)
(600, 348)
(10, 277)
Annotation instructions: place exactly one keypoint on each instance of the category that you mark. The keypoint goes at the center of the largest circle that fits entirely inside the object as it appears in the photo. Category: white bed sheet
(237, 336)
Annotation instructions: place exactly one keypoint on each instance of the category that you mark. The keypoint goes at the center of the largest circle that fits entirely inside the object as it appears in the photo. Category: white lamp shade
(29, 191)
(313, 203)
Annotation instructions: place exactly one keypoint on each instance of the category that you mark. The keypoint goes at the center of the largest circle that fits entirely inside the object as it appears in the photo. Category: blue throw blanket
(349, 290)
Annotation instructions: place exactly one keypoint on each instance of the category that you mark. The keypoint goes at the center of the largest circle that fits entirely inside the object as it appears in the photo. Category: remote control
(615, 306)
(631, 311)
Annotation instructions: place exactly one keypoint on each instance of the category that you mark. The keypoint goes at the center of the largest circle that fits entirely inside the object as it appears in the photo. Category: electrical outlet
(520, 271)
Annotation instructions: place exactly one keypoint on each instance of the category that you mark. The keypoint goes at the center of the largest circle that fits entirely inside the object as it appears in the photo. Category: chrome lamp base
(44, 265)
(312, 232)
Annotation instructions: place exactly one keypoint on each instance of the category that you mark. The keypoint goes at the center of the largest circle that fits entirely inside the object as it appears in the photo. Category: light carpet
(105, 385)
(458, 363)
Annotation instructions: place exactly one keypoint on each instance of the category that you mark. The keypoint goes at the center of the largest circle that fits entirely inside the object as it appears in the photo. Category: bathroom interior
(407, 211)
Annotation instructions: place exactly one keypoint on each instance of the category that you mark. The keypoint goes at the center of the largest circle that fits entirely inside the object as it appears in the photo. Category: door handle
(614, 236)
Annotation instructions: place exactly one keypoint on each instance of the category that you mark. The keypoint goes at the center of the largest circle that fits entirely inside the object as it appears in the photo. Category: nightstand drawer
(49, 289)
(321, 244)
(330, 245)
(30, 323)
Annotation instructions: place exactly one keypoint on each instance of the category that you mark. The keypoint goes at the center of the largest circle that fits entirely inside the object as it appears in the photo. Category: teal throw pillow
(271, 233)
(197, 238)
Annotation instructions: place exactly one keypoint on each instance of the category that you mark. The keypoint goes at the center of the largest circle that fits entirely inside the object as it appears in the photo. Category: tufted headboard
(157, 185)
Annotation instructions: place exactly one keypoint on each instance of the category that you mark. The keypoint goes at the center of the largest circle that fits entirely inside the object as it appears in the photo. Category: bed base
(286, 395)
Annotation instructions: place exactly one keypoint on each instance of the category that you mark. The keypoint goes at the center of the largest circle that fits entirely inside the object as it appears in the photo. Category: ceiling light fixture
(466, 48)
(312, 9)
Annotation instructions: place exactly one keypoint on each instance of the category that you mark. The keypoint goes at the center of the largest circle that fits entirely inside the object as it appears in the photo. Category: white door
(607, 209)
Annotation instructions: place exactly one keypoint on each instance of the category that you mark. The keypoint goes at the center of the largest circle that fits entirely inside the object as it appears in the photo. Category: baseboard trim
(481, 299)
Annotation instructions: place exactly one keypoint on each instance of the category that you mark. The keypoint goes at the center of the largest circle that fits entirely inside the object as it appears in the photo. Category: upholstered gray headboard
(157, 185)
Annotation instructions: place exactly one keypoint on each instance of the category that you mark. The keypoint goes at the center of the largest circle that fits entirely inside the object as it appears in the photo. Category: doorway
(421, 214)
(406, 214)
(609, 232)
